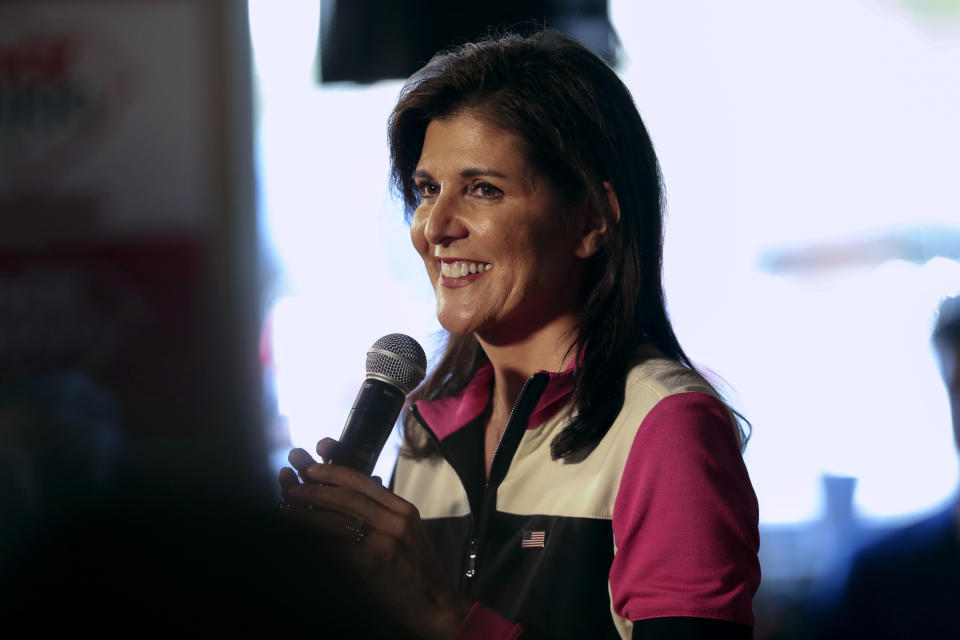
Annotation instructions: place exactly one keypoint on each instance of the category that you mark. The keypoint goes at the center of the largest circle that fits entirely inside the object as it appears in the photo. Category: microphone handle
(369, 425)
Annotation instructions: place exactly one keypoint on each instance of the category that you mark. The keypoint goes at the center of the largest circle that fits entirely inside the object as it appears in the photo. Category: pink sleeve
(483, 623)
(685, 518)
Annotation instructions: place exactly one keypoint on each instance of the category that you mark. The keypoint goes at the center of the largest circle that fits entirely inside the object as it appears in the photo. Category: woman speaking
(565, 472)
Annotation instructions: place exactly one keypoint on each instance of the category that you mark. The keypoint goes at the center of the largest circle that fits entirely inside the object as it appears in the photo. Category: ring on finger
(359, 530)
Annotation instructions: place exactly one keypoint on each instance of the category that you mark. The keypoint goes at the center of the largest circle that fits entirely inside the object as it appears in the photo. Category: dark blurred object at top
(370, 40)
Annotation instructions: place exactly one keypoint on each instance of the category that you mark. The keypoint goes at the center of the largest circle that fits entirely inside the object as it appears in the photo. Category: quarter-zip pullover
(659, 520)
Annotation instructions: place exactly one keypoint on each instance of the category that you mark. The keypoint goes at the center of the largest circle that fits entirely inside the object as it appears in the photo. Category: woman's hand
(380, 537)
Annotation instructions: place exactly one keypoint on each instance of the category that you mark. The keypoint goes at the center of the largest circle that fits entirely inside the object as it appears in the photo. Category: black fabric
(569, 574)
(451, 537)
(526, 584)
(680, 628)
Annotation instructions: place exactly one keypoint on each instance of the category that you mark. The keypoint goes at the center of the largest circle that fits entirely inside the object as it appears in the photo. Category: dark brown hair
(580, 128)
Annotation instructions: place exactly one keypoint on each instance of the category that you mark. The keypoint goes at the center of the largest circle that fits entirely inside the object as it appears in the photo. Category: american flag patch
(533, 539)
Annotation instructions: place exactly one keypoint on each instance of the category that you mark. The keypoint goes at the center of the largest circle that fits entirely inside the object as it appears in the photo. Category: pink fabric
(483, 623)
(685, 517)
(447, 415)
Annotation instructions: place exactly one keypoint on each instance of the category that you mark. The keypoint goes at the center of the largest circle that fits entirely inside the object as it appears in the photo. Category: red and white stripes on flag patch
(533, 539)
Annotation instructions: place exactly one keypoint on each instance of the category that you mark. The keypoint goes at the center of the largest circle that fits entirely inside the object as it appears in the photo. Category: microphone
(396, 364)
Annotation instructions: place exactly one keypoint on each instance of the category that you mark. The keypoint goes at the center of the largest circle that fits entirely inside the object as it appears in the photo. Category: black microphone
(396, 364)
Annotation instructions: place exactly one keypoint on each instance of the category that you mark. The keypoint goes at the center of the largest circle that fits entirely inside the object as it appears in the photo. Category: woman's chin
(456, 327)
(459, 323)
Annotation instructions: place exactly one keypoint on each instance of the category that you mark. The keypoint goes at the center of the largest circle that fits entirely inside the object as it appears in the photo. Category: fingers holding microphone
(335, 506)
(395, 365)
(300, 460)
(327, 449)
(378, 541)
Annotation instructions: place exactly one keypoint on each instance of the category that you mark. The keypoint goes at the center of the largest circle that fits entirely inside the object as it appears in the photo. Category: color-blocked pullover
(659, 520)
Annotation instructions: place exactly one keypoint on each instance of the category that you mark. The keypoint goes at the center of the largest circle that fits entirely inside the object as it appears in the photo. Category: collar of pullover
(447, 415)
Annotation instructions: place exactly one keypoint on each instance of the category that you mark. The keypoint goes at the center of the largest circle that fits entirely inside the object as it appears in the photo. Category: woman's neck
(514, 362)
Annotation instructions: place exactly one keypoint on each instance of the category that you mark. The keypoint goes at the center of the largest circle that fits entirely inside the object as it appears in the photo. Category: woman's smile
(457, 273)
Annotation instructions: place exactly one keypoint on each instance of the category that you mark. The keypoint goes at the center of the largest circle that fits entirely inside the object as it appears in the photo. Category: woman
(565, 470)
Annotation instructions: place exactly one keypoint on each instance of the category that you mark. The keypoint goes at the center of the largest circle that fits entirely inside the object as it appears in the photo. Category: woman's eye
(427, 189)
(486, 190)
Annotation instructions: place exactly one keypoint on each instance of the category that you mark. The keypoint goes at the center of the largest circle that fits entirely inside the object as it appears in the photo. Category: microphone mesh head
(398, 359)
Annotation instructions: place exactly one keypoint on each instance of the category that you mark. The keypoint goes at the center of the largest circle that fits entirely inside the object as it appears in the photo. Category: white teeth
(460, 269)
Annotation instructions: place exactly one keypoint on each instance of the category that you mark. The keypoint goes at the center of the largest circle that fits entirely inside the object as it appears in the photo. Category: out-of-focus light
(284, 41)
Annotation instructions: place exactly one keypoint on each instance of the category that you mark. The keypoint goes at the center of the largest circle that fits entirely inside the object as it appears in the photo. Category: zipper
(513, 410)
(472, 552)
(488, 488)
(472, 548)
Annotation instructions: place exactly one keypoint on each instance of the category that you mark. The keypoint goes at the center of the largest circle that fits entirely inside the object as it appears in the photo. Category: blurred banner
(127, 250)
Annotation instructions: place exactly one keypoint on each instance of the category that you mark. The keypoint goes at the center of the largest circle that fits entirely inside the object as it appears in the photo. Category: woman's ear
(595, 230)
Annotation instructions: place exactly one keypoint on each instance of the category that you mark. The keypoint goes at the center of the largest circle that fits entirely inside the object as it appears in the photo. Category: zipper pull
(472, 558)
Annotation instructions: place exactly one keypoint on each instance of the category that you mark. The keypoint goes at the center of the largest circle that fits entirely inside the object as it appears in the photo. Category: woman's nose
(444, 222)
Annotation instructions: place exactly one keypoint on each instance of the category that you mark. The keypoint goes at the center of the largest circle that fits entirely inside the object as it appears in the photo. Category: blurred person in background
(566, 472)
(907, 585)
(60, 444)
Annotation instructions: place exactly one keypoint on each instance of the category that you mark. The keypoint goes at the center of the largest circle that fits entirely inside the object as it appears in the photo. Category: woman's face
(502, 260)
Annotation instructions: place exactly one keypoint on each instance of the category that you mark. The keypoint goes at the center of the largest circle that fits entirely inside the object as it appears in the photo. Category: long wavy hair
(579, 128)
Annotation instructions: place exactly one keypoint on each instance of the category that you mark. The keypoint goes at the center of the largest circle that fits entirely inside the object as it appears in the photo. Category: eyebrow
(470, 172)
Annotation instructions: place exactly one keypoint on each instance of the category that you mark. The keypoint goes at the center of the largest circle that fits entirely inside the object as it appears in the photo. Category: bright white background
(779, 126)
